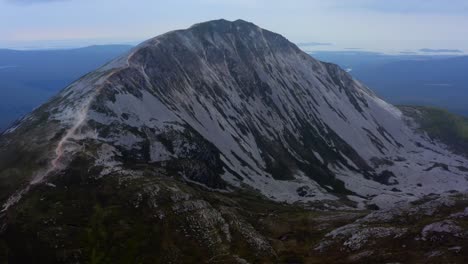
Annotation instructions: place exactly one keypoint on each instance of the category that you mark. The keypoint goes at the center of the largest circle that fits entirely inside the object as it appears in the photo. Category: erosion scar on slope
(80, 119)
(59, 150)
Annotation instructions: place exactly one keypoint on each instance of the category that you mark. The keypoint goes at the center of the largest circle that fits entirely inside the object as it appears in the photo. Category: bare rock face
(176, 137)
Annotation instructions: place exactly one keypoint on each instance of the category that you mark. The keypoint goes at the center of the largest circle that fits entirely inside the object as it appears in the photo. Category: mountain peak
(222, 26)
(219, 35)
(223, 23)
(221, 30)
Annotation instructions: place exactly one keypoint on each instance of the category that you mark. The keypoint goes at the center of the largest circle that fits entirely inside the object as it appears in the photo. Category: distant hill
(29, 78)
(409, 79)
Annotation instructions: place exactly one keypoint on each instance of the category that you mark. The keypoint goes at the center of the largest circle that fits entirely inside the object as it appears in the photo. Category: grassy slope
(441, 125)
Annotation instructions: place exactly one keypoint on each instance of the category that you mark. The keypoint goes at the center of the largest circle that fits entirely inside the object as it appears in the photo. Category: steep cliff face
(222, 108)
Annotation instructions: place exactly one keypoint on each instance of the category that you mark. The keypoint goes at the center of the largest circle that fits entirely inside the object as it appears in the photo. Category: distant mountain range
(409, 79)
(29, 78)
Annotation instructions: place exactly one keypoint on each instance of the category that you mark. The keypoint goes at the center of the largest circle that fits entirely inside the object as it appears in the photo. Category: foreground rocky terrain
(226, 143)
(156, 219)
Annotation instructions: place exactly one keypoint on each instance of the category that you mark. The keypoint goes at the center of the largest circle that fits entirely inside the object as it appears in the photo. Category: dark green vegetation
(152, 216)
(131, 219)
(441, 125)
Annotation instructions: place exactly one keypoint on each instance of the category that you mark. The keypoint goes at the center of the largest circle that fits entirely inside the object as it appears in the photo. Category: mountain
(228, 137)
(438, 81)
(31, 77)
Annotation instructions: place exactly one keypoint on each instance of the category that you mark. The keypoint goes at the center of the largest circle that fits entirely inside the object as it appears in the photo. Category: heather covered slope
(182, 137)
(143, 219)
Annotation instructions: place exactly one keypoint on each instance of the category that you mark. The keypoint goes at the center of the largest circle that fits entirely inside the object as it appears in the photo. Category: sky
(392, 26)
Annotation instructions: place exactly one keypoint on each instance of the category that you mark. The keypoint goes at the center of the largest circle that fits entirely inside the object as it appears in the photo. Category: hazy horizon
(371, 25)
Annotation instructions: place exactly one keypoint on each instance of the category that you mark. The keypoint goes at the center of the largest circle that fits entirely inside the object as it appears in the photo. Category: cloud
(309, 44)
(7, 67)
(441, 50)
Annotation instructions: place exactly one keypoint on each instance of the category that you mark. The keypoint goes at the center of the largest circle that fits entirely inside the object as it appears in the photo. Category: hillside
(228, 137)
(441, 125)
